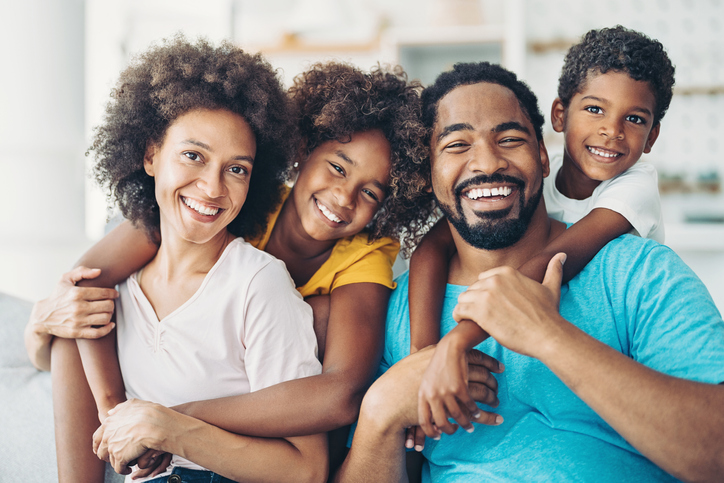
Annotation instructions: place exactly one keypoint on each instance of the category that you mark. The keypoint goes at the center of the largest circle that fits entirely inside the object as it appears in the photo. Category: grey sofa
(27, 444)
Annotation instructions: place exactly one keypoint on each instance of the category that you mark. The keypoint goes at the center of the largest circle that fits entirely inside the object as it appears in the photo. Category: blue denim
(185, 475)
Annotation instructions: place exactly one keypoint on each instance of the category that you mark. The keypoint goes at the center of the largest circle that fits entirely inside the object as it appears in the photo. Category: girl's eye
(371, 194)
(337, 168)
(594, 109)
(192, 156)
(636, 119)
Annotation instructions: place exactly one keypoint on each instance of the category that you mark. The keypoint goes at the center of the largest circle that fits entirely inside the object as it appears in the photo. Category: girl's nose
(344, 194)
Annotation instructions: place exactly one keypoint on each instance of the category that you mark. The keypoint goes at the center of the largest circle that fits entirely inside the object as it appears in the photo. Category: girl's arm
(428, 277)
(580, 242)
(136, 426)
(315, 404)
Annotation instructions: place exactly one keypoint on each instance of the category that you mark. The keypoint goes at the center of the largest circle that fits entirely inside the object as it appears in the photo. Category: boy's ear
(558, 115)
(653, 135)
(544, 161)
(148, 159)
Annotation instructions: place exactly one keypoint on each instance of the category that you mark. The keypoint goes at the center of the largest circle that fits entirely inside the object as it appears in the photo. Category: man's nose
(486, 159)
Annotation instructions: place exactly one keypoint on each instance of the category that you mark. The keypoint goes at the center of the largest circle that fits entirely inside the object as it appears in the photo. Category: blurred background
(60, 59)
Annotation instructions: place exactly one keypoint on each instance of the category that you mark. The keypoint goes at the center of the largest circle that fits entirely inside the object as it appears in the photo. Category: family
(542, 332)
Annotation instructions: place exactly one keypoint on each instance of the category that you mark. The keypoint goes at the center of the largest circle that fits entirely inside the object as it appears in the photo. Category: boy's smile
(607, 127)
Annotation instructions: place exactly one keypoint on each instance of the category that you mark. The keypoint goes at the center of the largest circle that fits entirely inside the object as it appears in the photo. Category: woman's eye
(636, 119)
(594, 109)
(192, 156)
(238, 170)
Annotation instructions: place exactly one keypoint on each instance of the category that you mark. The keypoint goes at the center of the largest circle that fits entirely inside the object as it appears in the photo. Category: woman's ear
(148, 159)
(558, 115)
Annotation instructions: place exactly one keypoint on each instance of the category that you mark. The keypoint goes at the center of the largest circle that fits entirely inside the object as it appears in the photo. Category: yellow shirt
(353, 260)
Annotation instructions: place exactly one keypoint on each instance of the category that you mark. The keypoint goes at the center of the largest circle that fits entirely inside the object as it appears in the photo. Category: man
(622, 384)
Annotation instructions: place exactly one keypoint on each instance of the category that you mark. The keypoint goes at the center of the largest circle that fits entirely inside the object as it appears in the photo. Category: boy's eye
(636, 119)
(594, 109)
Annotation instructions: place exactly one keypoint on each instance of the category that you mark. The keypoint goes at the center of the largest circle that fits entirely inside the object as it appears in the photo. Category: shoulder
(359, 245)
(245, 262)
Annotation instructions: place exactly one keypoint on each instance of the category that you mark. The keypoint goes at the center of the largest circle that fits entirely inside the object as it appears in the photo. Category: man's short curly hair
(335, 100)
(474, 73)
(170, 80)
(619, 49)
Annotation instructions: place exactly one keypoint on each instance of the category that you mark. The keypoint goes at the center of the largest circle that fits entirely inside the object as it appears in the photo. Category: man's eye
(456, 145)
(510, 140)
(594, 109)
(191, 155)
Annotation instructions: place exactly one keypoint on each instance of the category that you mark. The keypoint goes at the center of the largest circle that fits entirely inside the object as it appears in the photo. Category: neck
(289, 239)
(469, 261)
(180, 259)
(572, 182)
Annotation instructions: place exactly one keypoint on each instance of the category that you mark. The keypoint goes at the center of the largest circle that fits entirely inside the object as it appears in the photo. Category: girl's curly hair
(334, 100)
(170, 80)
(620, 50)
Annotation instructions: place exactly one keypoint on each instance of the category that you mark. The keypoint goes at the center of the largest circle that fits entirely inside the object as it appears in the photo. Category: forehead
(618, 86)
(483, 105)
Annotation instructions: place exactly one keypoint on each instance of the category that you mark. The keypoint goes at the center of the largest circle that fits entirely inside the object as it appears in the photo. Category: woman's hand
(132, 428)
(73, 312)
(444, 389)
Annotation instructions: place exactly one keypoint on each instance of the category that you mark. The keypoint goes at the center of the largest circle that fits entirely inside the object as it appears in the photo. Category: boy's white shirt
(634, 194)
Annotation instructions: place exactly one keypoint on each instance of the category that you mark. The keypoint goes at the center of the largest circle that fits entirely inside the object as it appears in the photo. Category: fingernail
(437, 438)
(409, 444)
(498, 419)
(501, 366)
(563, 260)
(470, 429)
(476, 416)
(419, 448)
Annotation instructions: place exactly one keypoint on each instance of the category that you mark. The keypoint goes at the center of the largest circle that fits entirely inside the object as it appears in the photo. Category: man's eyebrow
(461, 126)
(514, 125)
(208, 148)
(604, 101)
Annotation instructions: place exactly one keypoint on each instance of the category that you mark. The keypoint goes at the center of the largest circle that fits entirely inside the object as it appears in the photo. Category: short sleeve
(278, 333)
(634, 194)
(375, 266)
(674, 326)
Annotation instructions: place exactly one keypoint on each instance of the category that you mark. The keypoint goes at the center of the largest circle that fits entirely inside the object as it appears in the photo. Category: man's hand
(444, 389)
(73, 312)
(516, 311)
(132, 428)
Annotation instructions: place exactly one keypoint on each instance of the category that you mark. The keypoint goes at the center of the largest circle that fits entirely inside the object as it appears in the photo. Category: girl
(179, 155)
(360, 165)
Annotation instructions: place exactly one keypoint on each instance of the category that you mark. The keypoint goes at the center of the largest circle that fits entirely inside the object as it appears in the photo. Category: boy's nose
(611, 129)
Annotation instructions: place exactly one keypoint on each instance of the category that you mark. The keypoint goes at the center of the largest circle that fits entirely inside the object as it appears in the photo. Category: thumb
(81, 273)
(554, 274)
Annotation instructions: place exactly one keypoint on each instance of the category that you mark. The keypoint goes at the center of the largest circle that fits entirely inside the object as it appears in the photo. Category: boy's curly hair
(620, 50)
(170, 80)
(334, 100)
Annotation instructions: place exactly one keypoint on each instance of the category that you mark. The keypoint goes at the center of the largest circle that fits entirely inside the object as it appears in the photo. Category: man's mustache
(488, 179)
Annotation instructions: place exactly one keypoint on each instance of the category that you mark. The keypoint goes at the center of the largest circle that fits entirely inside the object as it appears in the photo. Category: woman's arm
(137, 426)
(355, 336)
(580, 242)
(429, 266)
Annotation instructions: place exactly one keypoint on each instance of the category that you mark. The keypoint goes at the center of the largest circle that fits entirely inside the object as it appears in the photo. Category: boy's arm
(580, 242)
(429, 266)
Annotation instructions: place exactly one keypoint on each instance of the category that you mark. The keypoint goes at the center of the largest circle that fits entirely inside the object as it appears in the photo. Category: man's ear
(148, 159)
(558, 115)
(544, 161)
(653, 135)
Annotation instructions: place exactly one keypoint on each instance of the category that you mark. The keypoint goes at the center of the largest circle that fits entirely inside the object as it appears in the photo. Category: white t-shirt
(634, 194)
(244, 329)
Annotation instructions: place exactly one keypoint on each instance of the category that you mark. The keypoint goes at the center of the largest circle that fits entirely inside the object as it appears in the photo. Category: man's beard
(492, 231)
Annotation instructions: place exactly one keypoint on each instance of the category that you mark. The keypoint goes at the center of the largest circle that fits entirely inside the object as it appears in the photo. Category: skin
(201, 172)
(522, 315)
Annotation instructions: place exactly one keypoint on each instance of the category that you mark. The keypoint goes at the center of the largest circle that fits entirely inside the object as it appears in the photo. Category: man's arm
(676, 423)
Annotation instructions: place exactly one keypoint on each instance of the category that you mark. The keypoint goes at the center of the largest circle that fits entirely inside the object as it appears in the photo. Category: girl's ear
(148, 159)
(558, 115)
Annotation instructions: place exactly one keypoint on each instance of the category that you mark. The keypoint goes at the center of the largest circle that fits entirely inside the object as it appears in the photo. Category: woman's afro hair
(170, 80)
(334, 100)
(620, 50)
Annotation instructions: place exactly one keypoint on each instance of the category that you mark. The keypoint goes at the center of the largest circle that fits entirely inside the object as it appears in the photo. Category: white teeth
(605, 154)
(474, 194)
(326, 212)
(198, 207)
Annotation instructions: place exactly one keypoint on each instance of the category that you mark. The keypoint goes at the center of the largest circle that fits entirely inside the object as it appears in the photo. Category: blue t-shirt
(636, 296)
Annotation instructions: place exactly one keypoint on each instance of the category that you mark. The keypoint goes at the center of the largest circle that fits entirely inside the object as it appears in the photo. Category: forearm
(309, 405)
(676, 423)
(466, 335)
(100, 363)
(38, 340)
